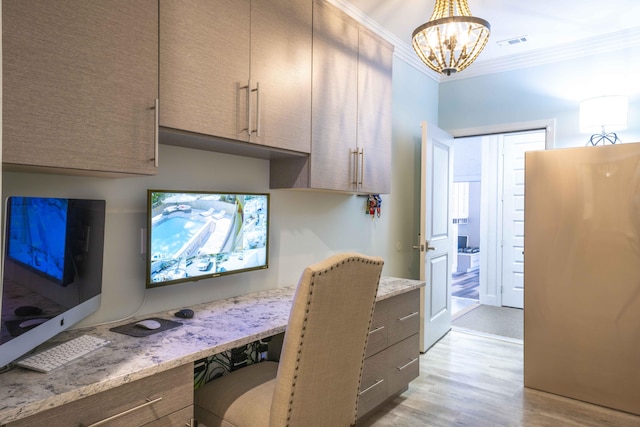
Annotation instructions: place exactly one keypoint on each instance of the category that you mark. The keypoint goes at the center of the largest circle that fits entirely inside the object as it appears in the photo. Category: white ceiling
(565, 24)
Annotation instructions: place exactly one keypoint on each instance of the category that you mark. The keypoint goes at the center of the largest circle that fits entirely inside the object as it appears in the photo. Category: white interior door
(435, 243)
(514, 148)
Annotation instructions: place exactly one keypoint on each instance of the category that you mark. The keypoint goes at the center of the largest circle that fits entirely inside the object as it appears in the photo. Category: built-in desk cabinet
(161, 400)
(80, 80)
(238, 69)
(392, 355)
(351, 127)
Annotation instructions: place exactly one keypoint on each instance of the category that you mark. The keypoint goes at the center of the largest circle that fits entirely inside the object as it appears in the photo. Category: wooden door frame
(490, 268)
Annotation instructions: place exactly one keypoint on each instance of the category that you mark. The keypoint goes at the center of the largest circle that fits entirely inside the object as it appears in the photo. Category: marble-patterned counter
(217, 326)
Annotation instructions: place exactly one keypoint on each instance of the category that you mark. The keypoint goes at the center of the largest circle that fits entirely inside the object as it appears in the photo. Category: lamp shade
(602, 112)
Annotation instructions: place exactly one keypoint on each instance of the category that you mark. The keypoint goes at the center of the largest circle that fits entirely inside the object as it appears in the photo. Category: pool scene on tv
(195, 235)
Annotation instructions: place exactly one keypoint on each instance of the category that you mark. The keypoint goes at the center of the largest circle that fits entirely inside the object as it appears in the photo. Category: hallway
(464, 291)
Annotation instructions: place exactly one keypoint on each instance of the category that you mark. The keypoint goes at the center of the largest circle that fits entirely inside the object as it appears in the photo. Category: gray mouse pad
(136, 331)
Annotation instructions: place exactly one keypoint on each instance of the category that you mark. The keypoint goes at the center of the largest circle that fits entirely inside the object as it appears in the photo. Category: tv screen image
(37, 236)
(192, 235)
(53, 262)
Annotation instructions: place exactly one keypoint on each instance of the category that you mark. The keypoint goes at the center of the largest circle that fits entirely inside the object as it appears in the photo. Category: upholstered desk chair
(317, 380)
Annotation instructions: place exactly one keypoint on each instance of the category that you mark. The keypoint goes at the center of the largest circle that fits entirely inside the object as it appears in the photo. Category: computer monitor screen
(52, 269)
(463, 241)
(193, 235)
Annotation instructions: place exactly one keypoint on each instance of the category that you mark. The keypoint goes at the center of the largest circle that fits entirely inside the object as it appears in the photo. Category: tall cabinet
(80, 83)
(238, 70)
(581, 276)
(351, 98)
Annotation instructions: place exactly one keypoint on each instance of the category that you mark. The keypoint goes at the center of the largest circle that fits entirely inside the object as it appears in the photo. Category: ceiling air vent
(513, 41)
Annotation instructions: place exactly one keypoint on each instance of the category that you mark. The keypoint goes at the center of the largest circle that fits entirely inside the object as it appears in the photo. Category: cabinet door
(204, 66)
(334, 99)
(281, 69)
(80, 81)
(375, 62)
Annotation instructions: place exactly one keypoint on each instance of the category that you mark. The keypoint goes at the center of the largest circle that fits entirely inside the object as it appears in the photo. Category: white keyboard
(57, 356)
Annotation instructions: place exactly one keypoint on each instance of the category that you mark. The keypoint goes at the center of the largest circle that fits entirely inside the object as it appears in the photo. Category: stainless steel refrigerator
(582, 274)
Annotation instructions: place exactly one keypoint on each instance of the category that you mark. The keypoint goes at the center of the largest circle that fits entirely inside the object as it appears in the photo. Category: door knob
(421, 248)
(429, 247)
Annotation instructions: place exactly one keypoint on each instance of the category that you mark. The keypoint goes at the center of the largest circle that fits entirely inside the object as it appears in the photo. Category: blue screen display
(37, 231)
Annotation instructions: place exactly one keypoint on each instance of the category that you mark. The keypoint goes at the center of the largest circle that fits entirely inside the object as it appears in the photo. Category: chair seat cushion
(240, 398)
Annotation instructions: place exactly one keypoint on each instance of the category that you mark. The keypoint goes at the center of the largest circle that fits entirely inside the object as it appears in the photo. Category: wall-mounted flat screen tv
(194, 235)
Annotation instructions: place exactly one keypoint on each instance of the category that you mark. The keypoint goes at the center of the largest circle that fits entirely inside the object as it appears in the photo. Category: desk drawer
(404, 363)
(373, 386)
(180, 418)
(379, 331)
(133, 404)
(404, 316)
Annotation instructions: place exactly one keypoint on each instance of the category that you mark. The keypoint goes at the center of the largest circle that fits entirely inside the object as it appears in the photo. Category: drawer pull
(402, 319)
(370, 387)
(400, 368)
(128, 411)
(379, 328)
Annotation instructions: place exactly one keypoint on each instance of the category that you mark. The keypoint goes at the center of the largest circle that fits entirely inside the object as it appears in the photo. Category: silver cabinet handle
(402, 319)
(257, 91)
(379, 328)
(361, 153)
(156, 132)
(148, 402)
(400, 368)
(248, 101)
(370, 387)
(354, 153)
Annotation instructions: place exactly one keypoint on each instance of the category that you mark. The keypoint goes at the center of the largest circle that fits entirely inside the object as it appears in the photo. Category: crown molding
(588, 47)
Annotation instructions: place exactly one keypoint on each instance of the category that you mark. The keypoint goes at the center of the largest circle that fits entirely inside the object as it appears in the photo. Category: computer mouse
(27, 310)
(185, 313)
(149, 324)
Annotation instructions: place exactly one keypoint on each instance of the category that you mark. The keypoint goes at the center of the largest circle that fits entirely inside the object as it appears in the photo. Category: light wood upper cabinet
(375, 63)
(204, 62)
(80, 80)
(281, 32)
(237, 69)
(335, 99)
(351, 126)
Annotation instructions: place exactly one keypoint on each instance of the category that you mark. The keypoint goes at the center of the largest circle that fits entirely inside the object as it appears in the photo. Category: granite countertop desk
(217, 326)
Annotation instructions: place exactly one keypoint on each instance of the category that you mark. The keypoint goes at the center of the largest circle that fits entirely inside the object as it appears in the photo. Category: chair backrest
(324, 345)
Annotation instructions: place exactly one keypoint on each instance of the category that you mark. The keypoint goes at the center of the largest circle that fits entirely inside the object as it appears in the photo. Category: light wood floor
(470, 380)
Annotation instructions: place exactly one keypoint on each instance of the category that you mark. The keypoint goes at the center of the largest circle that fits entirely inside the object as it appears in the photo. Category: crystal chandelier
(452, 39)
